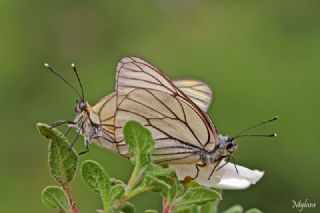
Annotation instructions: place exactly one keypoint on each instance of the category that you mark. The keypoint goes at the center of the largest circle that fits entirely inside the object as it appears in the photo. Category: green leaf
(127, 208)
(254, 210)
(156, 176)
(114, 181)
(197, 195)
(116, 192)
(211, 207)
(176, 189)
(151, 211)
(157, 184)
(140, 144)
(196, 209)
(185, 209)
(159, 171)
(191, 183)
(97, 179)
(234, 209)
(63, 160)
(54, 197)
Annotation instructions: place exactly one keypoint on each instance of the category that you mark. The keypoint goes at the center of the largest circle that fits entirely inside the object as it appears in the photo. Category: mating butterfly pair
(175, 113)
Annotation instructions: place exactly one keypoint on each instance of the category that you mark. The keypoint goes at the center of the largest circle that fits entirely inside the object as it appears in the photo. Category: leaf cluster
(115, 195)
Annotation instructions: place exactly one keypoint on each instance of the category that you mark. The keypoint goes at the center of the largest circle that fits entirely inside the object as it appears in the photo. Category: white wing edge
(198, 91)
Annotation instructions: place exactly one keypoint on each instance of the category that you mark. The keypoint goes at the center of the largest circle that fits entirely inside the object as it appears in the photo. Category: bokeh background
(260, 57)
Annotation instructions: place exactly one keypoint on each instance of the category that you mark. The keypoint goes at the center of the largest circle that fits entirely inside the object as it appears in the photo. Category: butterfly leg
(214, 168)
(67, 132)
(227, 161)
(74, 141)
(198, 165)
(61, 122)
(234, 163)
(87, 149)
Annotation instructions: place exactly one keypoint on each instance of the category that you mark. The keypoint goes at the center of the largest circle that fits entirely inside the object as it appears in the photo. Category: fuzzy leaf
(116, 192)
(196, 209)
(97, 179)
(54, 197)
(63, 160)
(114, 181)
(234, 209)
(211, 207)
(140, 143)
(186, 209)
(127, 208)
(156, 177)
(176, 189)
(197, 195)
(151, 211)
(254, 210)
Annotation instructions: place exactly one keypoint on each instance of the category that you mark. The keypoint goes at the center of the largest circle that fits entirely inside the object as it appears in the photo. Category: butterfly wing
(199, 92)
(103, 111)
(179, 127)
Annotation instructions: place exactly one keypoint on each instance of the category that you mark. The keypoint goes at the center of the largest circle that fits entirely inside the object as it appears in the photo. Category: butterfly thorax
(224, 148)
(82, 120)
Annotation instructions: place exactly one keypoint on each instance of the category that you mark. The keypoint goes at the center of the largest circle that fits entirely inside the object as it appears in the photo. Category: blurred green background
(260, 57)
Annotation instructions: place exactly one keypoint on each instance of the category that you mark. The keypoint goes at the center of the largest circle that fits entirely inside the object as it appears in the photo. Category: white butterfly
(99, 120)
(184, 135)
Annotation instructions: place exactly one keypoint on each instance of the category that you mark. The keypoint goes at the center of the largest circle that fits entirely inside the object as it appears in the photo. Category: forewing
(199, 92)
(179, 127)
(103, 114)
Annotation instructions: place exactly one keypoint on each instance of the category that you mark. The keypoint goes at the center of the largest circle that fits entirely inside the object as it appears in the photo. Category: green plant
(115, 194)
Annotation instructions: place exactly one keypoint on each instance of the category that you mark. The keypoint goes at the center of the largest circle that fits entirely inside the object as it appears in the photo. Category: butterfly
(96, 122)
(173, 111)
(185, 137)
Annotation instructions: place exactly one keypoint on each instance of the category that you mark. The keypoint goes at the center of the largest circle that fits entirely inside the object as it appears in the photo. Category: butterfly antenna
(262, 135)
(254, 126)
(59, 76)
(75, 71)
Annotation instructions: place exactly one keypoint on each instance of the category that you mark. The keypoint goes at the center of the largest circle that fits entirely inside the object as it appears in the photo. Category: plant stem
(66, 188)
(134, 178)
(138, 190)
(130, 194)
(165, 206)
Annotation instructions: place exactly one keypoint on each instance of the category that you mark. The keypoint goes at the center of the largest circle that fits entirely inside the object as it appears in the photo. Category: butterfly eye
(77, 108)
(82, 106)
(231, 146)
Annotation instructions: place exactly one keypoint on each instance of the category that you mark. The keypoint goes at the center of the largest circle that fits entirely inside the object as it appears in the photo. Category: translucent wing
(179, 127)
(199, 92)
(103, 112)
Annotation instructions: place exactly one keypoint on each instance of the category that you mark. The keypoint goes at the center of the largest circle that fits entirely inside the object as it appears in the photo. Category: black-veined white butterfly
(96, 123)
(174, 112)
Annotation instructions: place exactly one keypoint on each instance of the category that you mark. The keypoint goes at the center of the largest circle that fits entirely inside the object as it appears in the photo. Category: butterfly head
(81, 106)
(227, 145)
(231, 145)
